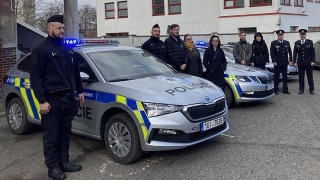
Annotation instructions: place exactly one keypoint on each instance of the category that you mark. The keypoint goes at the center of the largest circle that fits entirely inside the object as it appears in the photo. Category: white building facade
(201, 17)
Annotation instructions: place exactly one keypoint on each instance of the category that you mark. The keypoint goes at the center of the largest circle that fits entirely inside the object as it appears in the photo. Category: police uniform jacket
(176, 51)
(280, 51)
(54, 69)
(304, 53)
(156, 47)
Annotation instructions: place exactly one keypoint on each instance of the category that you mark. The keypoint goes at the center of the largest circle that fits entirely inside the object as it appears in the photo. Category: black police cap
(303, 31)
(156, 26)
(55, 18)
(279, 32)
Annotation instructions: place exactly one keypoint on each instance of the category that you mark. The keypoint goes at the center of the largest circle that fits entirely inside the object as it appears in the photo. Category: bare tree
(48, 9)
(88, 21)
(26, 10)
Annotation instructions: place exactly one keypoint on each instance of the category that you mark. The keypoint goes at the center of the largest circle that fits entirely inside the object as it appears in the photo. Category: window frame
(317, 1)
(122, 9)
(234, 5)
(105, 8)
(294, 3)
(285, 4)
(154, 6)
(261, 3)
(174, 4)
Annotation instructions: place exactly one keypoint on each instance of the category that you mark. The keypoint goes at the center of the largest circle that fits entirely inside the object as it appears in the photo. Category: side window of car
(84, 66)
(24, 65)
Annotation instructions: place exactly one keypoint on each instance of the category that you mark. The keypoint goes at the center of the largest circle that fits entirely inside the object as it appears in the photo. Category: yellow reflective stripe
(36, 103)
(139, 105)
(26, 100)
(143, 126)
(17, 82)
(121, 99)
(233, 86)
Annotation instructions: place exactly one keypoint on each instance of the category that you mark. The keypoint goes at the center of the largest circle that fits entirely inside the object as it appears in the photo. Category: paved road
(274, 139)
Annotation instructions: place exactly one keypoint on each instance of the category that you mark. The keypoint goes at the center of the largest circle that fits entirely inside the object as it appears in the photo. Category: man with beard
(154, 45)
(242, 50)
(175, 49)
(55, 80)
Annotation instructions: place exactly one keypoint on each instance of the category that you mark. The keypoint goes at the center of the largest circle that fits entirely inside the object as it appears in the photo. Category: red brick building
(8, 37)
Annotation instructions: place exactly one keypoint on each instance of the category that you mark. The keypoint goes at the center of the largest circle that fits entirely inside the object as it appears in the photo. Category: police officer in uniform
(55, 80)
(304, 57)
(154, 45)
(281, 55)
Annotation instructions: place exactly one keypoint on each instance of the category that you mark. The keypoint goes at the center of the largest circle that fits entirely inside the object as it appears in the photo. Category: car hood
(243, 70)
(178, 89)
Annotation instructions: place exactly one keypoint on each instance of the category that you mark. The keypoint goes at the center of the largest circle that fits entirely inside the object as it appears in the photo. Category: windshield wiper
(118, 80)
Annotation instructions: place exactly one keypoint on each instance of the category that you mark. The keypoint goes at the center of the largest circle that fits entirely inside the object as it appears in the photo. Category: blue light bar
(202, 43)
(72, 42)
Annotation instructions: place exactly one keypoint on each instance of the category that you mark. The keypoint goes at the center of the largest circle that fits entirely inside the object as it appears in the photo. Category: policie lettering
(183, 89)
(84, 112)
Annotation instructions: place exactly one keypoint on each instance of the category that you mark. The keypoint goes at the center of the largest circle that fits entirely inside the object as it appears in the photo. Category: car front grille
(197, 113)
(265, 79)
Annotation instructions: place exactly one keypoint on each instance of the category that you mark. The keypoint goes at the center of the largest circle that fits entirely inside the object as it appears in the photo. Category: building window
(157, 7)
(109, 10)
(298, 3)
(317, 1)
(119, 34)
(233, 3)
(260, 2)
(247, 30)
(314, 29)
(309, 0)
(294, 28)
(174, 6)
(285, 2)
(122, 9)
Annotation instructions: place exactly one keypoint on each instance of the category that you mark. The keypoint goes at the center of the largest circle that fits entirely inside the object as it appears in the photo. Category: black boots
(69, 167)
(56, 173)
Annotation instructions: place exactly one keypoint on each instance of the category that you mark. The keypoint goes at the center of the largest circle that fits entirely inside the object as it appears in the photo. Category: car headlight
(243, 78)
(154, 109)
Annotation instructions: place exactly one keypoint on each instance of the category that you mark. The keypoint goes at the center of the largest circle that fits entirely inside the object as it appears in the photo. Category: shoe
(312, 92)
(69, 167)
(276, 92)
(300, 92)
(286, 92)
(56, 173)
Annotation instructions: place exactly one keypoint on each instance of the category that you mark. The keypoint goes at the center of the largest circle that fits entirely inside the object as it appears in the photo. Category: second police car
(133, 101)
(243, 83)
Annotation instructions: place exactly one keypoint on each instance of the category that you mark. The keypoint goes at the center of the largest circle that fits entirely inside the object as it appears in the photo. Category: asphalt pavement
(278, 138)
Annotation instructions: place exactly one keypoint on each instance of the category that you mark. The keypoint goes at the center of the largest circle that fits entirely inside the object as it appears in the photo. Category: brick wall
(8, 37)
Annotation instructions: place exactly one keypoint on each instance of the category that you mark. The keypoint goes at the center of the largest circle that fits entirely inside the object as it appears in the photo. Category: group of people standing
(257, 55)
(184, 57)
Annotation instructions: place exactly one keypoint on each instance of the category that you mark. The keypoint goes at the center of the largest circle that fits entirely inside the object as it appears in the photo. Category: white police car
(133, 101)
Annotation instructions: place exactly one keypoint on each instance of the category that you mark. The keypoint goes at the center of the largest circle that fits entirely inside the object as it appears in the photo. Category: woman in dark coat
(215, 62)
(192, 57)
(260, 53)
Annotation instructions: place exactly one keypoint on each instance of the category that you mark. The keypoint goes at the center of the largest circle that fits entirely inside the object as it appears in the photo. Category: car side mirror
(86, 78)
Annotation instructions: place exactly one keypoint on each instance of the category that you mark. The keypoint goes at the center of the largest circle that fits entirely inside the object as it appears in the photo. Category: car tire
(17, 117)
(229, 96)
(123, 147)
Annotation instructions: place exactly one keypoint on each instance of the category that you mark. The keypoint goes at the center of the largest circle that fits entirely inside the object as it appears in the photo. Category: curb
(2, 114)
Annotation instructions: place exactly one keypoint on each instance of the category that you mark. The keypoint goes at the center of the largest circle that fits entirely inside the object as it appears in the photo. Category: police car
(133, 101)
(243, 83)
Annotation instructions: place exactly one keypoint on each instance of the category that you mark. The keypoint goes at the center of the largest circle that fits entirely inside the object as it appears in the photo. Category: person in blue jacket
(215, 62)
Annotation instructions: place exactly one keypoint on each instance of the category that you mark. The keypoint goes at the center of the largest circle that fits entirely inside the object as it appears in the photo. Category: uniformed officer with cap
(55, 80)
(154, 45)
(281, 55)
(304, 57)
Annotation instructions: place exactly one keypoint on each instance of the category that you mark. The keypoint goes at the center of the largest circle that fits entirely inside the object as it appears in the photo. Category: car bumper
(188, 133)
(255, 91)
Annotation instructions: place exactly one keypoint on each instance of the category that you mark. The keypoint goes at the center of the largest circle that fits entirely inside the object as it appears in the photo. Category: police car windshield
(123, 65)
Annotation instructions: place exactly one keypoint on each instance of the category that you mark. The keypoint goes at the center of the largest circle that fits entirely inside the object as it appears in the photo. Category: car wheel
(229, 96)
(17, 117)
(122, 139)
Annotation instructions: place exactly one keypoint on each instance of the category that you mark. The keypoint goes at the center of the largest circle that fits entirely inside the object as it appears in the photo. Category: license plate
(211, 124)
(270, 86)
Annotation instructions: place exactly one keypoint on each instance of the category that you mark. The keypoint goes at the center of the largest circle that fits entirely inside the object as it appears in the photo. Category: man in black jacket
(175, 49)
(55, 80)
(281, 56)
(154, 45)
(304, 54)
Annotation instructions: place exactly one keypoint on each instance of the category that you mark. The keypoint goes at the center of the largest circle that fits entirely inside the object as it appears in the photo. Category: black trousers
(57, 129)
(302, 70)
(261, 66)
(283, 69)
(217, 78)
